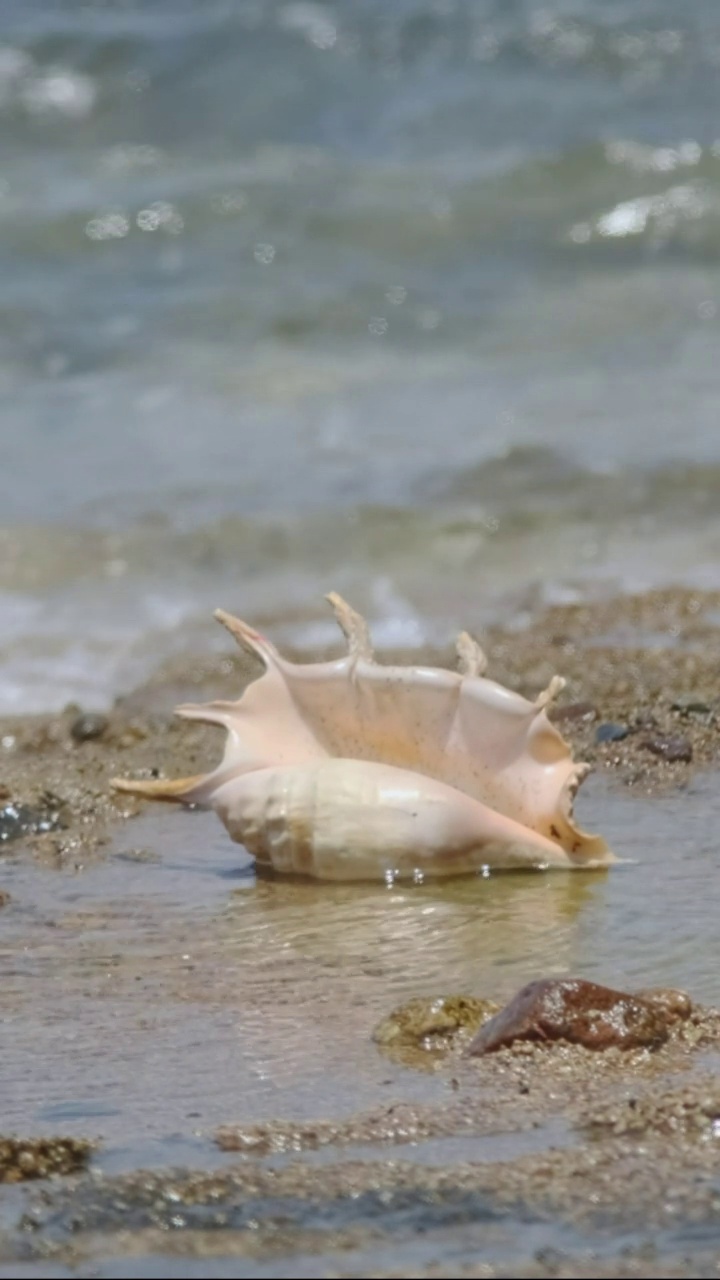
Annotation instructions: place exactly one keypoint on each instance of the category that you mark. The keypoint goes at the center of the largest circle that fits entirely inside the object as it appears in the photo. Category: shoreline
(649, 664)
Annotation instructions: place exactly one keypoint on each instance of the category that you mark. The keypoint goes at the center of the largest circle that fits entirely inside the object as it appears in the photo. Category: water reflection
(453, 935)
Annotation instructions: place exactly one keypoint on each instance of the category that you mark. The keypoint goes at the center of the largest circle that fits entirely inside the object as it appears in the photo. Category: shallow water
(418, 302)
(147, 1000)
(167, 991)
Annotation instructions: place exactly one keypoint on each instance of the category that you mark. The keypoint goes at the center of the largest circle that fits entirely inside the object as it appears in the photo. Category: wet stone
(674, 748)
(18, 820)
(432, 1023)
(87, 726)
(584, 1013)
(610, 732)
(23, 1159)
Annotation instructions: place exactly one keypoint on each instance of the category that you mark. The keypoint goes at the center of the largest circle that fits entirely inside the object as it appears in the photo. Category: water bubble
(264, 254)
(378, 326)
(396, 294)
(161, 216)
(707, 310)
(107, 226)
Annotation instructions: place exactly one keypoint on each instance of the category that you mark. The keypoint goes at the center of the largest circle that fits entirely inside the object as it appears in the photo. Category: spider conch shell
(349, 769)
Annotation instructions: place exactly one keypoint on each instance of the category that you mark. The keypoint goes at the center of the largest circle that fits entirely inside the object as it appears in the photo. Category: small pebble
(645, 720)
(673, 749)
(609, 732)
(584, 712)
(87, 726)
(691, 704)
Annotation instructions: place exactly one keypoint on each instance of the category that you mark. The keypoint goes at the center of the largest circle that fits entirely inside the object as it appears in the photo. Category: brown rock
(674, 748)
(580, 1012)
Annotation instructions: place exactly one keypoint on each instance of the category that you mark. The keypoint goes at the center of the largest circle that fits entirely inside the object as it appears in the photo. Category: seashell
(349, 769)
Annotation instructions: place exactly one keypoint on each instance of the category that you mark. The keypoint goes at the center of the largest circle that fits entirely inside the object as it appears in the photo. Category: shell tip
(246, 636)
(353, 626)
(553, 691)
(472, 661)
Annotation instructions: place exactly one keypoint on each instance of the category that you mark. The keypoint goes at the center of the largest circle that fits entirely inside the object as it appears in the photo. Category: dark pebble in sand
(582, 712)
(691, 704)
(23, 820)
(87, 726)
(582, 1013)
(644, 720)
(673, 749)
(609, 732)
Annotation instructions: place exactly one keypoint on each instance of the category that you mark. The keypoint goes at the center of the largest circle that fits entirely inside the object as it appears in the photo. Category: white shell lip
(459, 730)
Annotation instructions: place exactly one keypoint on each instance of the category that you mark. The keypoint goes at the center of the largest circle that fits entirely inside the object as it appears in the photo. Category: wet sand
(155, 992)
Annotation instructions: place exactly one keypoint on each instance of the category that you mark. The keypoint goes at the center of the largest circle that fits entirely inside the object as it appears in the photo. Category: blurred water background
(416, 300)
